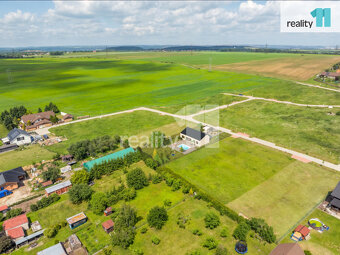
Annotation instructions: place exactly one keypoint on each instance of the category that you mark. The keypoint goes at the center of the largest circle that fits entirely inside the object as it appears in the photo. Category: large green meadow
(83, 86)
(315, 131)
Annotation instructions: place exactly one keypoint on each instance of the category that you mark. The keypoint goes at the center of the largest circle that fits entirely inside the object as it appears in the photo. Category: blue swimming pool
(184, 147)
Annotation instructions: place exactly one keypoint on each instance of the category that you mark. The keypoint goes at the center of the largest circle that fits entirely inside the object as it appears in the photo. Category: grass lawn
(3, 131)
(176, 240)
(124, 125)
(285, 198)
(201, 104)
(16, 158)
(234, 168)
(83, 86)
(326, 243)
(309, 130)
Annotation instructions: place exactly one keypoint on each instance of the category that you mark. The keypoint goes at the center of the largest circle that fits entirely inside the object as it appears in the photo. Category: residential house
(76, 220)
(18, 137)
(59, 188)
(108, 226)
(57, 249)
(10, 179)
(15, 226)
(287, 249)
(4, 209)
(67, 158)
(331, 75)
(67, 118)
(196, 137)
(335, 198)
(37, 120)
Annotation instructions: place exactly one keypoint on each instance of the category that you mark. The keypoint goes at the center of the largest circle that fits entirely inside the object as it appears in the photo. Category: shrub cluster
(261, 227)
(211, 220)
(136, 179)
(155, 240)
(210, 243)
(44, 202)
(241, 231)
(53, 231)
(79, 193)
(85, 148)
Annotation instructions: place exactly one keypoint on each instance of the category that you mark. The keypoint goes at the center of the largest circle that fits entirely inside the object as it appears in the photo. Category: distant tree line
(56, 53)
(85, 148)
(11, 118)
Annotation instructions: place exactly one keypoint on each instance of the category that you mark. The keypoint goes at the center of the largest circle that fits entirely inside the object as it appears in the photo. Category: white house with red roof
(15, 227)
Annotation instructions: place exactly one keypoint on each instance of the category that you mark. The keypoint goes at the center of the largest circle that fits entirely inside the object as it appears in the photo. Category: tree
(6, 243)
(126, 143)
(79, 177)
(211, 220)
(241, 231)
(263, 229)
(307, 252)
(79, 193)
(98, 203)
(210, 243)
(224, 232)
(136, 179)
(13, 213)
(39, 109)
(52, 174)
(125, 222)
(157, 217)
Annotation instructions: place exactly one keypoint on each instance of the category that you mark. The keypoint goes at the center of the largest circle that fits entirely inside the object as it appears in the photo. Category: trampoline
(317, 224)
(241, 247)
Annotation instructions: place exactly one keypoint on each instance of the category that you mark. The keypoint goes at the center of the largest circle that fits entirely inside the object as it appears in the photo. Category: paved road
(190, 118)
(283, 102)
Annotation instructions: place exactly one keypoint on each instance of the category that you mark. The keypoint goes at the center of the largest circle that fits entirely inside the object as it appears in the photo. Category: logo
(323, 17)
(310, 16)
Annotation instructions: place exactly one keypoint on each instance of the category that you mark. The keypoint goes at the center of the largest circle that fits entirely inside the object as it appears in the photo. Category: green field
(125, 125)
(34, 153)
(326, 243)
(309, 130)
(229, 171)
(285, 198)
(83, 86)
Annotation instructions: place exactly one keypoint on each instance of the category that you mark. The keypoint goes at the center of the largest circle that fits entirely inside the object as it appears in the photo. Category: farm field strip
(222, 129)
(278, 101)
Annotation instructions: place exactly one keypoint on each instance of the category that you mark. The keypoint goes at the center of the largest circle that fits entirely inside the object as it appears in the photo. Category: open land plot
(234, 168)
(326, 243)
(285, 198)
(89, 86)
(299, 67)
(3, 131)
(176, 240)
(315, 131)
(22, 157)
(138, 123)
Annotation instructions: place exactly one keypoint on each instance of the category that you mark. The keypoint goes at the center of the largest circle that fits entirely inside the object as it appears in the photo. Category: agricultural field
(140, 124)
(230, 170)
(298, 67)
(293, 194)
(315, 131)
(90, 86)
(22, 157)
(326, 243)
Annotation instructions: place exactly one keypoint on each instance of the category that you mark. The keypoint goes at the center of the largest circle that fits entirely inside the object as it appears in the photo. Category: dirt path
(316, 86)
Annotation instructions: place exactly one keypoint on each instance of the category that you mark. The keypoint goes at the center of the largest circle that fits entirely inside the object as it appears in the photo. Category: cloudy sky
(51, 23)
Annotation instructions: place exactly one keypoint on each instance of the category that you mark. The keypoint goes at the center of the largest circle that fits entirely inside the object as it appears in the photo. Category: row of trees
(44, 202)
(11, 118)
(85, 148)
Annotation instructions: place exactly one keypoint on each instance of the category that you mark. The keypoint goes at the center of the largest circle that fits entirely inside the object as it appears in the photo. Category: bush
(44, 202)
(195, 252)
(6, 243)
(98, 203)
(80, 177)
(210, 243)
(157, 217)
(136, 179)
(13, 213)
(261, 227)
(224, 232)
(211, 220)
(167, 203)
(186, 189)
(144, 230)
(241, 231)
(157, 179)
(50, 232)
(52, 174)
(153, 164)
(197, 232)
(79, 193)
(176, 185)
(138, 252)
(221, 250)
(307, 252)
(155, 240)
(129, 194)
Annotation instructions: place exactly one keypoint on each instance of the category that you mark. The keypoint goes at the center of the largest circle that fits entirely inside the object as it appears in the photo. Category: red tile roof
(36, 116)
(15, 222)
(16, 232)
(108, 224)
(49, 182)
(303, 230)
(3, 208)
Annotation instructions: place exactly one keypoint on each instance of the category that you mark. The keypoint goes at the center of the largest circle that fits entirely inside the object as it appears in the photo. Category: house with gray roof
(18, 137)
(196, 137)
(11, 179)
(57, 249)
(335, 198)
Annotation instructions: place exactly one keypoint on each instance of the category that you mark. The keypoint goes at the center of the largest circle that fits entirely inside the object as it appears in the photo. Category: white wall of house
(197, 143)
(21, 140)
